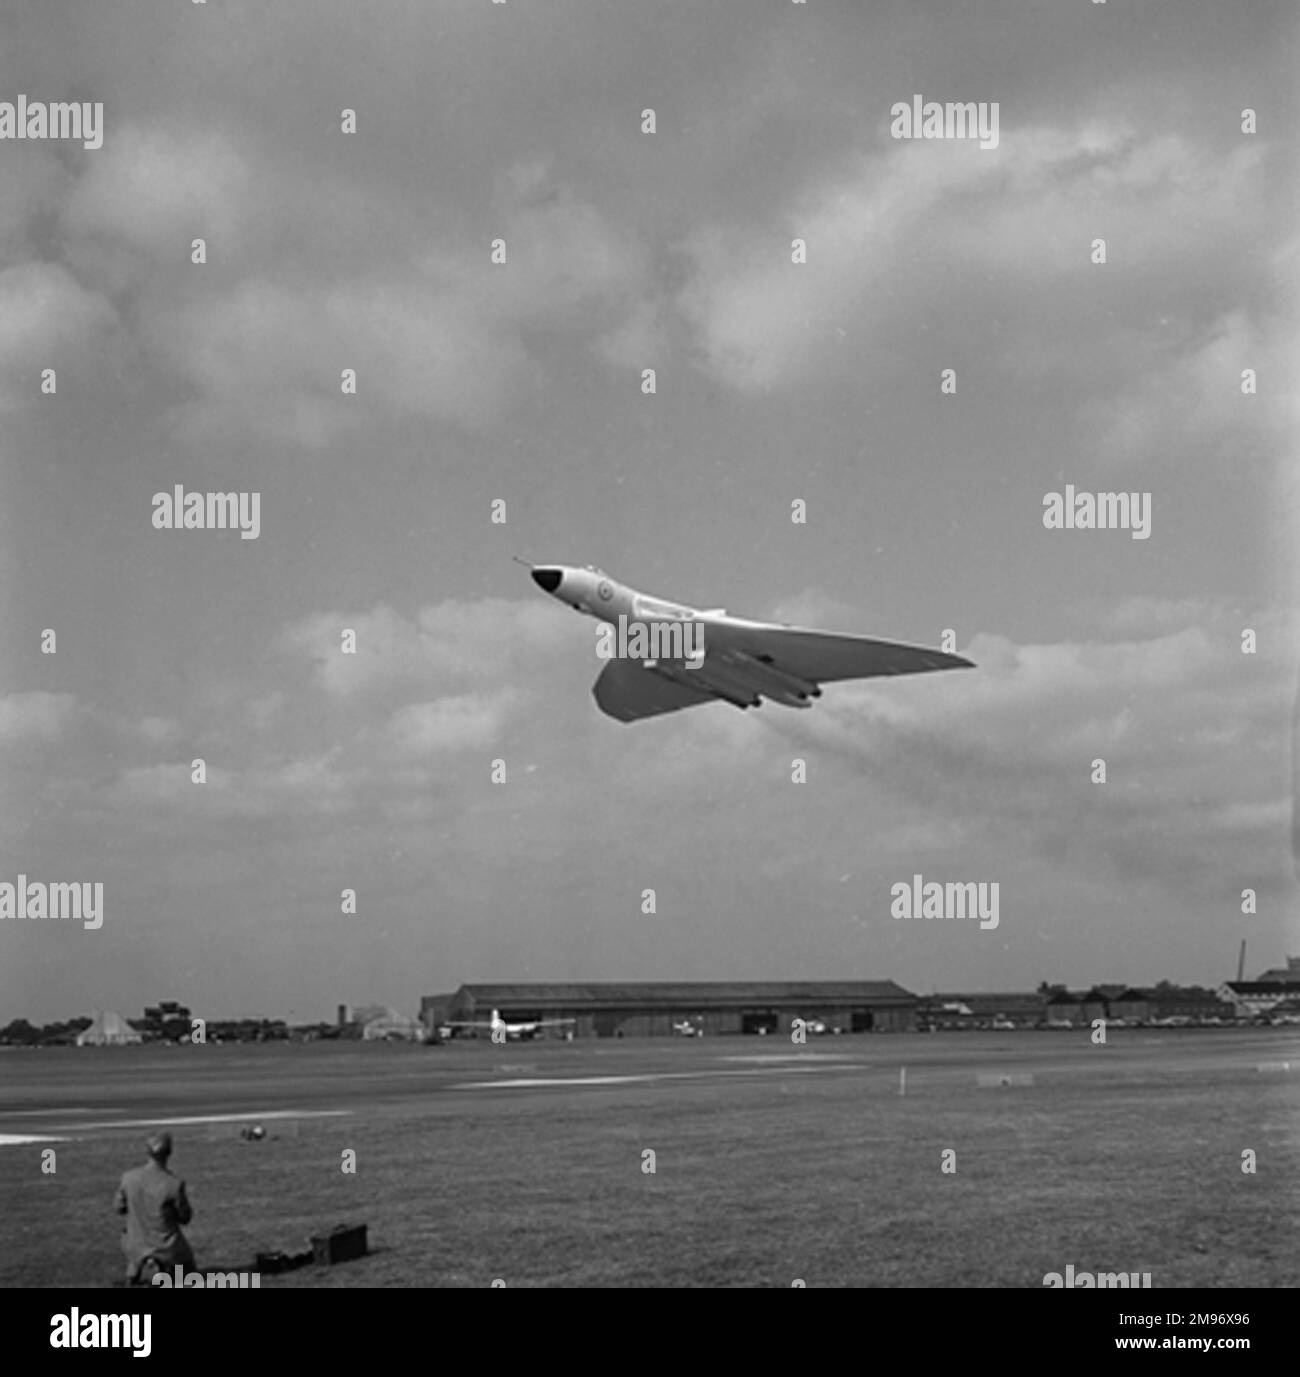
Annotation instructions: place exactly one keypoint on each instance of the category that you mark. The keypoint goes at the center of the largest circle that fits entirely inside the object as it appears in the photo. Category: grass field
(772, 1162)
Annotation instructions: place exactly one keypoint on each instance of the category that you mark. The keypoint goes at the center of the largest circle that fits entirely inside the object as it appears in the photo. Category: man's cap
(159, 1144)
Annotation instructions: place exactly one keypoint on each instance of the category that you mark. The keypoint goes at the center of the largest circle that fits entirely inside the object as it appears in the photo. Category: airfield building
(961, 1011)
(1164, 1002)
(1134, 1005)
(711, 1008)
(1288, 974)
(1256, 998)
(1064, 1007)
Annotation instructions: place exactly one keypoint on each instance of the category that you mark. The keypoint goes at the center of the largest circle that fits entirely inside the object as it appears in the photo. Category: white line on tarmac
(19, 1139)
(36, 1113)
(255, 1114)
(555, 1082)
(796, 1056)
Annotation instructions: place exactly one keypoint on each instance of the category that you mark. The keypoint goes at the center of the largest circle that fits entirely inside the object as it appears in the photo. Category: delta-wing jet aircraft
(712, 656)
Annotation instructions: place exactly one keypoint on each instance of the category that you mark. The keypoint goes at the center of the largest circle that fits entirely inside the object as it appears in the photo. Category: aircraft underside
(739, 678)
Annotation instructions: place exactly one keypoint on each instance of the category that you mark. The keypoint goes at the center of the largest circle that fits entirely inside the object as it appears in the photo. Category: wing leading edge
(821, 656)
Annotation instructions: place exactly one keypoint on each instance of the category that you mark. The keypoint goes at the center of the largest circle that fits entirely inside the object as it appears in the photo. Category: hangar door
(863, 1021)
(758, 1023)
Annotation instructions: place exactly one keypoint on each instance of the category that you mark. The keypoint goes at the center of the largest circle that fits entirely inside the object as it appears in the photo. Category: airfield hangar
(711, 1008)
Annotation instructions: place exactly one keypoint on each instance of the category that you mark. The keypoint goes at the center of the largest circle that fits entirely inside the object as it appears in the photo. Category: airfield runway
(531, 1163)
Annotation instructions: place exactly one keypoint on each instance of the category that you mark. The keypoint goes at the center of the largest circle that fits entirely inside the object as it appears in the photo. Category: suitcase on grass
(342, 1243)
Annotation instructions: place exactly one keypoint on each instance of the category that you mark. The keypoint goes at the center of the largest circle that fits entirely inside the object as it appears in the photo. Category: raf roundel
(604, 592)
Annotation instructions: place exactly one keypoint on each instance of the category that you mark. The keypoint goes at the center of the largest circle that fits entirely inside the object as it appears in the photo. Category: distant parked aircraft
(712, 656)
(500, 1027)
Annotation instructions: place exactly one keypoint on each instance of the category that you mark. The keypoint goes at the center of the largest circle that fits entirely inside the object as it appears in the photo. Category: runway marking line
(257, 1115)
(554, 1082)
(22, 1139)
(35, 1113)
(763, 1057)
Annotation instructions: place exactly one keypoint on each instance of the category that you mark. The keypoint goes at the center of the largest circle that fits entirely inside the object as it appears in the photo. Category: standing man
(155, 1206)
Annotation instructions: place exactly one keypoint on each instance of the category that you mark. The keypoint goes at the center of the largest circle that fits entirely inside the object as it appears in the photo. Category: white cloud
(279, 790)
(1143, 615)
(761, 322)
(450, 724)
(33, 184)
(158, 730)
(157, 189)
(445, 644)
(274, 354)
(639, 341)
(567, 264)
(46, 316)
(1180, 809)
(1157, 201)
(35, 716)
(1190, 393)
(172, 787)
(431, 330)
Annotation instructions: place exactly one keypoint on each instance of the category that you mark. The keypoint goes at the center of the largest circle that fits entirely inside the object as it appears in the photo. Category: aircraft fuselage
(593, 592)
(711, 655)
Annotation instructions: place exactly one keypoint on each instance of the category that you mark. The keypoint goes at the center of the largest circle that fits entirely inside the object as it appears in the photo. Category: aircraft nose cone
(548, 580)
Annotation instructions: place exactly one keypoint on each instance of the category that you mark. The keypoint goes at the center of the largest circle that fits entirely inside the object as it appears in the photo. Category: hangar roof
(686, 994)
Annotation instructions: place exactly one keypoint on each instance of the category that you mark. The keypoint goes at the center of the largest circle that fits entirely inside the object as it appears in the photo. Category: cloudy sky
(522, 382)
